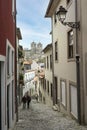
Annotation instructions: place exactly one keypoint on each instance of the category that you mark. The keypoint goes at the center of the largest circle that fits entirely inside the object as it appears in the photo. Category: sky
(31, 20)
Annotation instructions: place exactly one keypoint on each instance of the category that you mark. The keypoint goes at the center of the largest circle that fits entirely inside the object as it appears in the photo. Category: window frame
(48, 87)
(12, 61)
(51, 90)
(70, 45)
(56, 88)
(47, 62)
(50, 62)
(8, 60)
(56, 51)
(71, 83)
(64, 105)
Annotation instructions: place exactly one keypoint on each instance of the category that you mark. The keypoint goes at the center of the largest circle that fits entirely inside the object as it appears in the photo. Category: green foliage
(20, 53)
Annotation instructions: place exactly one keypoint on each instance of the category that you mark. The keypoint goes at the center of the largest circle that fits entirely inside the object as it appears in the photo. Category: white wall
(28, 81)
(48, 77)
(64, 68)
(9, 80)
(34, 66)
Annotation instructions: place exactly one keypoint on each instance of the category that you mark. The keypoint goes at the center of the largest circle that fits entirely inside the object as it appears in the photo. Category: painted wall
(64, 68)
(48, 77)
(7, 25)
(28, 81)
(7, 37)
(83, 45)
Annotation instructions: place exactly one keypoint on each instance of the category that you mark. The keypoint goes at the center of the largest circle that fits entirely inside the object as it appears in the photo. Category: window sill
(71, 60)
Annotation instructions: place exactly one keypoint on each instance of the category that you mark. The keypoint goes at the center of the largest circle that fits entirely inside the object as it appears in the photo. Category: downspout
(53, 67)
(16, 100)
(78, 69)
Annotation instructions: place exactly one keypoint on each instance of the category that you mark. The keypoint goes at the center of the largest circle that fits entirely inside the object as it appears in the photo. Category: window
(8, 60)
(63, 93)
(55, 82)
(50, 61)
(47, 62)
(48, 87)
(51, 90)
(70, 44)
(73, 101)
(56, 51)
(12, 62)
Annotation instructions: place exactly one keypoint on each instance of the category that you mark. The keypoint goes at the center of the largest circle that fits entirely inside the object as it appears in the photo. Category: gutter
(54, 90)
(78, 69)
(51, 7)
(48, 8)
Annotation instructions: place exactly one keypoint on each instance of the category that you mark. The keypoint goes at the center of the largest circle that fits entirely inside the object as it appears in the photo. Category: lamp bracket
(72, 24)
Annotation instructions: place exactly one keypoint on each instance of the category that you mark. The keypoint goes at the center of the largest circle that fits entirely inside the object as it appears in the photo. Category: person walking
(36, 96)
(28, 100)
(24, 101)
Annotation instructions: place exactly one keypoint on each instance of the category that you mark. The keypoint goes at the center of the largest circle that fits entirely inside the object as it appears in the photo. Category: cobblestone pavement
(42, 117)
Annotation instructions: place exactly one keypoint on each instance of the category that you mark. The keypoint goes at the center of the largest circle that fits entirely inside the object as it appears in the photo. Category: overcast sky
(32, 23)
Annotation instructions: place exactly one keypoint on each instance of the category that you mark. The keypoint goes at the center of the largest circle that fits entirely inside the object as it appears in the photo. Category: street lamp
(62, 16)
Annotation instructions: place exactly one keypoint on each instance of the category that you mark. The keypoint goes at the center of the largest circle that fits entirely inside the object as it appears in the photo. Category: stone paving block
(42, 117)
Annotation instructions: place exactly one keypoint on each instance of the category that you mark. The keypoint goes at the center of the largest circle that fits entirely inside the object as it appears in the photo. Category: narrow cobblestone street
(42, 117)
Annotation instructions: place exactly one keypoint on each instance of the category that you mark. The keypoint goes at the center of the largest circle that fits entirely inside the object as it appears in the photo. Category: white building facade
(29, 81)
(67, 44)
(7, 89)
(47, 86)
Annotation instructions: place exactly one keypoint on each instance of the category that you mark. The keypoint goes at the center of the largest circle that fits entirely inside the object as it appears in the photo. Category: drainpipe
(78, 70)
(54, 91)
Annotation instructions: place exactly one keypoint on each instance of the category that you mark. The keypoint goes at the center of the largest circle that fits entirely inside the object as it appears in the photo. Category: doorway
(55, 81)
(8, 106)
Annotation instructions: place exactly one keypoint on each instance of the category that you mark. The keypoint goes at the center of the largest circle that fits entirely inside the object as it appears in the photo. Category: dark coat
(24, 99)
(28, 99)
